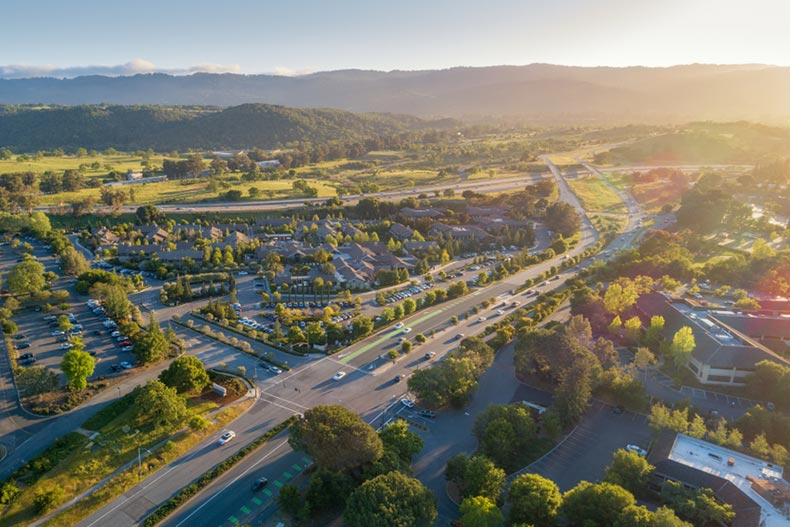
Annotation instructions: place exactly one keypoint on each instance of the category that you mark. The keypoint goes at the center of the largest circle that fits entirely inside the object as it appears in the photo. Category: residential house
(459, 232)
(414, 214)
(104, 236)
(401, 232)
(153, 233)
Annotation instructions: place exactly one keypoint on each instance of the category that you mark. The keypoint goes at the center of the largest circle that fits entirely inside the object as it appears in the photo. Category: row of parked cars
(123, 341)
(406, 293)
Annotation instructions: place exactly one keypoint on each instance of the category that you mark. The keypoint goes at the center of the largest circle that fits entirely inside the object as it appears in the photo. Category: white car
(66, 346)
(275, 370)
(57, 333)
(115, 334)
(408, 403)
(127, 348)
(227, 436)
(339, 375)
(635, 448)
(481, 319)
(406, 330)
(399, 325)
(126, 365)
(500, 312)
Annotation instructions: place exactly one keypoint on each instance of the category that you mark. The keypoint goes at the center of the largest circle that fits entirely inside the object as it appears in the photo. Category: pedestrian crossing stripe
(278, 484)
(245, 510)
(296, 467)
(234, 520)
(287, 475)
(256, 501)
(267, 492)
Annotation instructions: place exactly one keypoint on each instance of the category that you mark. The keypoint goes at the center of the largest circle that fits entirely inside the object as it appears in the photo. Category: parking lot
(46, 348)
(586, 452)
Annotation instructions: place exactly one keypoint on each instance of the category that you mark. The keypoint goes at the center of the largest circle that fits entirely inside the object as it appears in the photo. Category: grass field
(606, 222)
(596, 195)
(120, 162)
(114, 447)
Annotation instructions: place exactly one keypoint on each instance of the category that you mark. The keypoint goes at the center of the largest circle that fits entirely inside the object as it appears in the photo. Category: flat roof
(713, 459)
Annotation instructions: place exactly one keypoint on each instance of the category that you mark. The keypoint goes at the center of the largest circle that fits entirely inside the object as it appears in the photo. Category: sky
(119, 37)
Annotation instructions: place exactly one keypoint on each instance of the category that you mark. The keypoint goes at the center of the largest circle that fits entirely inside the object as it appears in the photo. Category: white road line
(232, 482)
(283, 399)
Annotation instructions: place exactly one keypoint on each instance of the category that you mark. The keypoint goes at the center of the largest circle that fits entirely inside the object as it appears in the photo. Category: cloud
(288, 72)
(22, 71)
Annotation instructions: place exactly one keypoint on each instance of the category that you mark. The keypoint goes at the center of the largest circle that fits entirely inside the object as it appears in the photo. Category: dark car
(29, 360)
(399, 378)
(25, 356)
(23, 345)
(260, 483)
(19, 336)
(427, 413)
(61, 338)
(116, 367)
(98, 332)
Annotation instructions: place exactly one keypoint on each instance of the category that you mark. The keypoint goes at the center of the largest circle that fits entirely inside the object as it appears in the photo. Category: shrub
(46, 500)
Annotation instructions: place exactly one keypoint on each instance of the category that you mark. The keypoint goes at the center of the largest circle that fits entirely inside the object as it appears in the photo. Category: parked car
(635, 448)
(127, 348)
(29, 360)
(25, 356)
(275, 370)
(259, 484)
(126, 365)
(429, 355)
(23, 345)
(19, 336)
(61, 338)
(408, 403)
(339, 375)
(66, 346)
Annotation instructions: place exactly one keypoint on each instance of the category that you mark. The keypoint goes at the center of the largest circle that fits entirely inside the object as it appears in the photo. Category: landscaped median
(185, 494)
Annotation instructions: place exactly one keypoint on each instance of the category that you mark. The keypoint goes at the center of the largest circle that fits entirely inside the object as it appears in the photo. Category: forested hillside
(29, 128)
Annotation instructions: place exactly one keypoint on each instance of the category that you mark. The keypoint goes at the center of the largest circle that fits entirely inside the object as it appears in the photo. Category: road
(482, 186)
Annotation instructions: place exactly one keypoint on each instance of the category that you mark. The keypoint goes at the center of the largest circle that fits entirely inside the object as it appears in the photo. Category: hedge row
(250, 352)
(185, 494)
(196, 314)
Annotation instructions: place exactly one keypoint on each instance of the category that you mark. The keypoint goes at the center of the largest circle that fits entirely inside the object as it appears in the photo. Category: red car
(126, 343)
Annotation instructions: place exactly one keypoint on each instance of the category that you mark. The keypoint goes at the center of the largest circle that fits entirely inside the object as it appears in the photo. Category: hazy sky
(65, 38)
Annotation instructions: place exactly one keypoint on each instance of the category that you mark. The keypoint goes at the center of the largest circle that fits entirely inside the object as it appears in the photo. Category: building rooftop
(739, 469)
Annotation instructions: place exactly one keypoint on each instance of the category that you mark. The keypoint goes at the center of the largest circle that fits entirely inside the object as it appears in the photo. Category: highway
(368, 388)
(481, 186)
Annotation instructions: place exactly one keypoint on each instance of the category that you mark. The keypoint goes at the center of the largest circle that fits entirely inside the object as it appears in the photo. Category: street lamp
(140, 460)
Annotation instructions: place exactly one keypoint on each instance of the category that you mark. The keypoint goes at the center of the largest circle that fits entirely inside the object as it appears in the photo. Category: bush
(8, 492)
(46, 500)
(9, 327)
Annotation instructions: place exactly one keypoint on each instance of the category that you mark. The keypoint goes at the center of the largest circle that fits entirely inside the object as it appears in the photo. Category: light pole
(140, 461)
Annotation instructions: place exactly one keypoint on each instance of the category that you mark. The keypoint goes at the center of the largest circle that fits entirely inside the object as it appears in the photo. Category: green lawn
(120, 162)
(116, 445)
(595, 195)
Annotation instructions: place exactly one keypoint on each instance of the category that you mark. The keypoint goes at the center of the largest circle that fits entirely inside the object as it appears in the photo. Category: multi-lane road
(369, 388)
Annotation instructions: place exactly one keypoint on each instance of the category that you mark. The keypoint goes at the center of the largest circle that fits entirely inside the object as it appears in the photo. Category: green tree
(683, 344)
(198, 423)
(36, 380)
(328, 490)
(289, 499)
(186, 374)
(336, 438)
(160, 403)
(534, 499)
(391, 500)
(619, 297)
(25, 277)
(397, 438)
(635, 516)
(72, 262)
(629, 470)
(595, 504)
(572, 396)
(295, 335)
(152, 345)
(361, 326)
(475, 476)
(504, 433)
(698, 506)
(477, 511)
(77, 366)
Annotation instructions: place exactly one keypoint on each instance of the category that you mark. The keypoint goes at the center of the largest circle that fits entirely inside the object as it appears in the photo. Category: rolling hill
(540, 92)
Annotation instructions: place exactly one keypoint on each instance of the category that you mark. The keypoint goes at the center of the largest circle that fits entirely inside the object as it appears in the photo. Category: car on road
(339, 375)
(399, 377)
(459, 336)
(275, 370)
(500, 312)
(406, 330)
(430, 355)
(226, 437)
(635, 448)
(259, 484)
(408, 403)
(481, 319)
(397, 326)
(243, 273)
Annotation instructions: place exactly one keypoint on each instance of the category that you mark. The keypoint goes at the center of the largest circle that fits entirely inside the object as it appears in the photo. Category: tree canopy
(391, 500)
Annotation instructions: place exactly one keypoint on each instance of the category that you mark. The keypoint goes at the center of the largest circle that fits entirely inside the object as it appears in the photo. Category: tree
(148, 214)
(198, 423)
(295, 335)
(25, 277)
(475, 476)
(595, 504)
(534, 499)
(572, 396)
(72, 262)
(77, 366)
(635, 516)
(186, 374)
(397, 438)
(619, 297)
(152, 345)
(328, 490)
(563, 219)
(683, 344)
(633, 328)
(361, 326)
(115, 302)
(36, 380)
(504, 433)
(629, 470)
(161, 403)
(477, 511)
(391, 500)
(336, 438)
(698, 506)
